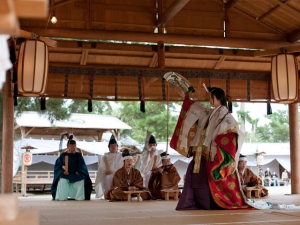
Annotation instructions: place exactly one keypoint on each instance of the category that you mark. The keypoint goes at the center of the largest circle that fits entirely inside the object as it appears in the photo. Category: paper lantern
(285, 80)
(32, 68)
(260, 159)
(27, 158)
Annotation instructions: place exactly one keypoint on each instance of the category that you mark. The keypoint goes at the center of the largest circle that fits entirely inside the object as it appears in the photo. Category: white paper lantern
(285, 80)
(32, 68)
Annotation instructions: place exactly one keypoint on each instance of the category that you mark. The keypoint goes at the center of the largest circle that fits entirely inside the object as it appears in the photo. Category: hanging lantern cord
(167, 147)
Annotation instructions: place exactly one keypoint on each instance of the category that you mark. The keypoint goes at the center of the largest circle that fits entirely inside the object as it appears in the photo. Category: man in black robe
(74, 181)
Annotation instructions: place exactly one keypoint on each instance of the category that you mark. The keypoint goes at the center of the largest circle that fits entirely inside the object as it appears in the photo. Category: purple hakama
(196, 193)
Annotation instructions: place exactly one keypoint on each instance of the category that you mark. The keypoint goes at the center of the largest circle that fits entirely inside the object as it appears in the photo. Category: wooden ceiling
(100, 54)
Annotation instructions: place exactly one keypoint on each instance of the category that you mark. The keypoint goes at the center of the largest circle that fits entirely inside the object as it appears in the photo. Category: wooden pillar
(294, 148)
(7, 137)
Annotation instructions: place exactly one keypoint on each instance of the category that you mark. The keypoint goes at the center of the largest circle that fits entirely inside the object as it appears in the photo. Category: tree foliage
(277, 130)
(153, 120)
(56, 109)
(99, 107)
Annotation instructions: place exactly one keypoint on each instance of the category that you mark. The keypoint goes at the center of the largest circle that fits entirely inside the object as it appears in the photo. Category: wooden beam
(173, 9)
(272, 10)
(88, 15)
(84, 56)
(166, 38)
(230, 4)
(159, 14)
(271, 52)
(294, 37)
(31, 8)
(268, 13)
(219, 63)
(227, 24)
(61, 3)
(261, 21)
(154, 60)
(9, 23)
(28, 132)
(115, 7)
(150, 82)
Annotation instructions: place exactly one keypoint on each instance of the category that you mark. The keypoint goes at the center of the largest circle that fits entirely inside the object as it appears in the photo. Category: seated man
(275, 180)
(285, 178)
(126, 178)
(248, 178)
(164, 177)
(71, 179)
(268, 181)
(109, 164)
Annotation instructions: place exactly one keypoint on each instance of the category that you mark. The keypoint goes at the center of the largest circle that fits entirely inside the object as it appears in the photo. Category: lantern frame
(285, 78)
(32, 68)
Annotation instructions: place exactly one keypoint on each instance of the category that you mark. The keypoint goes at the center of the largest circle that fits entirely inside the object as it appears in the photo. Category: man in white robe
(109, 164)
(150, 160)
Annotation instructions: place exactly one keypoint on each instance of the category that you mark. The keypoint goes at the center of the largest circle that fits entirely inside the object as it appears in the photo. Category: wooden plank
(28, 132)
(61, 3)
(274, 10)
(31, 8)
(88, 15)
(84, 56)
(154, 60)
(173, 9)
(219, 63)
(115, 7)
(9, 23)
(166, 38)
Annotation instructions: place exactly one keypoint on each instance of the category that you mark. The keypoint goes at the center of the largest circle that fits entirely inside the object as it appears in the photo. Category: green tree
(250, 136)
(99, 107)
(277, 130)
(56, 109)
(153, 120)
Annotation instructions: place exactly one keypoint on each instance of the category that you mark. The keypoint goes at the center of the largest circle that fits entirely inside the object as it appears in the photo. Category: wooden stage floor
(99, 211)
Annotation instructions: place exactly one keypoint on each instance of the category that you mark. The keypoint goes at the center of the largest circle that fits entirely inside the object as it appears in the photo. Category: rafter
(84, 56)
(273, 9)
(170, 12)
(61, 3)
(153, 60)
(261, 21)
(294, 37)
(230, 4)
(219, 63)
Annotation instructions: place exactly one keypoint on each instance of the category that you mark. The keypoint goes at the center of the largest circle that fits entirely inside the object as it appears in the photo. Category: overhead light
(53, 19)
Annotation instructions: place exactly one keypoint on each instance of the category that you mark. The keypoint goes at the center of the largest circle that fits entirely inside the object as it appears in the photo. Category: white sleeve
(145, 160)
(192, 116)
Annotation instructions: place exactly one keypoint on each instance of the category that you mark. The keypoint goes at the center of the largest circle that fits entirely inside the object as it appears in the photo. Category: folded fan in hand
(179, 81)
